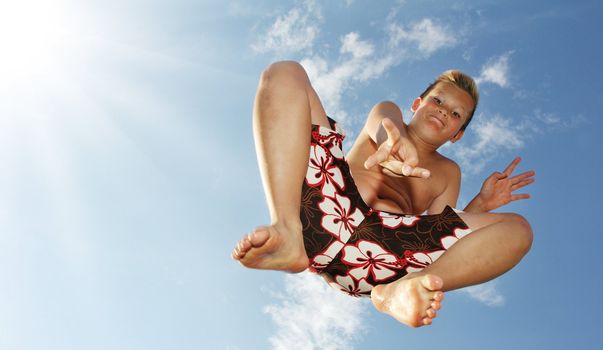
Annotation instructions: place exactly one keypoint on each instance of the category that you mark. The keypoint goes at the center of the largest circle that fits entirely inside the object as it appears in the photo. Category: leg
(498, 242)
(284, 110)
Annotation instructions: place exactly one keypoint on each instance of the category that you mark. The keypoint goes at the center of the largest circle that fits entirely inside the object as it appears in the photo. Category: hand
(397, 155)
(498, 188)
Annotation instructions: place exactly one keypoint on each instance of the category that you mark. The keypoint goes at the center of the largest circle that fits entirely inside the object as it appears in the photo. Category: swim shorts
(357, 246)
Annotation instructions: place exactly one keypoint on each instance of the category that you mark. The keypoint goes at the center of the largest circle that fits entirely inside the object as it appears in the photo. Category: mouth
(438, 120)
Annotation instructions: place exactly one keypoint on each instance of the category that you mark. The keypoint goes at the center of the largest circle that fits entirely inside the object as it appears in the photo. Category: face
(440, 115)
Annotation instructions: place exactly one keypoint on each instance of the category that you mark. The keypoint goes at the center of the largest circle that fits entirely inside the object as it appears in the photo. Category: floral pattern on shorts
(357, 246)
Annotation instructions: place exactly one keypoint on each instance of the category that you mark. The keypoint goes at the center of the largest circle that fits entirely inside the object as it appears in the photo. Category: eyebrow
(437, 91)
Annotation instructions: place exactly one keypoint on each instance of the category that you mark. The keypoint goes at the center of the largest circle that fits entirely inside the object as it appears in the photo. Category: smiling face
(440, 115)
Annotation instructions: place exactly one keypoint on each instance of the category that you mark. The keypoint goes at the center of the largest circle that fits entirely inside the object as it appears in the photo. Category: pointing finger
(511, 167)
(393, 134)
(408, 153)
(381, 155)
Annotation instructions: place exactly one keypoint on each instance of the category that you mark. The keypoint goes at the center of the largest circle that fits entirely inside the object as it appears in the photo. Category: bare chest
(407, 195)
(398, 195)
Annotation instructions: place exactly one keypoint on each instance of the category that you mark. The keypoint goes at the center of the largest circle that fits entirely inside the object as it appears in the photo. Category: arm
(396, 154)
(498, 189)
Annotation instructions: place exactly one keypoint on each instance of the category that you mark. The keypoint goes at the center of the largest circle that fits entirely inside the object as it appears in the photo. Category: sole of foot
(271, 248)
(412, 300)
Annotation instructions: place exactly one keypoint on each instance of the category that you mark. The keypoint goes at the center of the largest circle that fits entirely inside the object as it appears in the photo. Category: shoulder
(449, 167)
(387, 108)
(384, 109)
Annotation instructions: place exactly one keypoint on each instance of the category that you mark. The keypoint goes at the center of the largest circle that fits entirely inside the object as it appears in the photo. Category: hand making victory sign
(397, 155)
(498, 188)
(398, 158)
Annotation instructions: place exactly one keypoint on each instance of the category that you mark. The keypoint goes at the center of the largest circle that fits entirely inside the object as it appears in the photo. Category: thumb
(500, 175)
(497, 175)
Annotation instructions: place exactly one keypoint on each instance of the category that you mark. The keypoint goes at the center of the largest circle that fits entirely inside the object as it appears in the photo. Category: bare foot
(412, 300)
(272, 248)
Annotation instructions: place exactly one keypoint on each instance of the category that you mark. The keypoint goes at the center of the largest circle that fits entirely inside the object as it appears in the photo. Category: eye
(437, 99)
(456, 114)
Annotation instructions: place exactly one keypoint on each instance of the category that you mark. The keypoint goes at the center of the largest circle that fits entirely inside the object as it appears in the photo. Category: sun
(30, 30)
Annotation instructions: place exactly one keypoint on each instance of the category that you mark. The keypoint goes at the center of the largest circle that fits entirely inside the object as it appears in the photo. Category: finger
(393, 134)
(402, 168)
(408, 153)
(517, 197)
(496, 176)
(511, 167)
(522, 176)
(388, 172)
(399, 168)
(522, 184)
(395, 167)
(380, 156)
(420, 172)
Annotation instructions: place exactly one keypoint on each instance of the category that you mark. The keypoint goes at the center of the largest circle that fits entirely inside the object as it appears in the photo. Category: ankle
(413, 275)
(288, 224)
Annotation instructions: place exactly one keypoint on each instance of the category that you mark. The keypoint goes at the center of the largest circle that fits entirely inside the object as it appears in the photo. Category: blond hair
(461, 80)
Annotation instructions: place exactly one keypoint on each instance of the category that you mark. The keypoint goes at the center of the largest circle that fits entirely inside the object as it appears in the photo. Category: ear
(415, 104)
(458, 136)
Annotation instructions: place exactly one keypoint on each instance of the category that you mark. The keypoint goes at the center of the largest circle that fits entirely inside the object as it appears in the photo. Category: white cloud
(427, 36)
(242, 9)
(486, 139)
(357, 63)
(540, 122)
(358, 48)
(313, 315)
(496, 71)
(292, 32)
(360, 61)
(486, 293)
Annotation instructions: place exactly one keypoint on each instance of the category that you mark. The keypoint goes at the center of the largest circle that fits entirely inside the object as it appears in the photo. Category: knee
(281, 70)
(522, 232)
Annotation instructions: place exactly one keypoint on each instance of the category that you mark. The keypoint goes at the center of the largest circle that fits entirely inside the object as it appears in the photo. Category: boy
(350, 229)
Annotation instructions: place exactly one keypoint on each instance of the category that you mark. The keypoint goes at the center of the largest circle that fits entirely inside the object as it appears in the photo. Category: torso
(406, 195)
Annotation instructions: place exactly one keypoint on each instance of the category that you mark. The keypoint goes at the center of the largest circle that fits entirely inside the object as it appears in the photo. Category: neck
(423, 147)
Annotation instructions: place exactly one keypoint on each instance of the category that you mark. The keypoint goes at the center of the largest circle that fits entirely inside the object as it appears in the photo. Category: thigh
(296, 70)
(475, 221)
(317, 111)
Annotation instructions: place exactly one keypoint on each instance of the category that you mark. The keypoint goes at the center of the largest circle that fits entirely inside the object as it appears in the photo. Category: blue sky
(128, 167)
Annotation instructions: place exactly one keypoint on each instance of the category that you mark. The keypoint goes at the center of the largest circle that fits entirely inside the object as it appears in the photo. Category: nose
(443, 111)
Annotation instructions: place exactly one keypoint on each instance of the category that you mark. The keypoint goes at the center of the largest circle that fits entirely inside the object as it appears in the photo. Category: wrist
(477, 205)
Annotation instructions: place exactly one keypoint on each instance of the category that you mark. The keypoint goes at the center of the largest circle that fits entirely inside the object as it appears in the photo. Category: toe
(436, 296)
(258, 237)
(240, 249)
(432, 282)
(436, 305)
(431, 313)
(427, 321)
